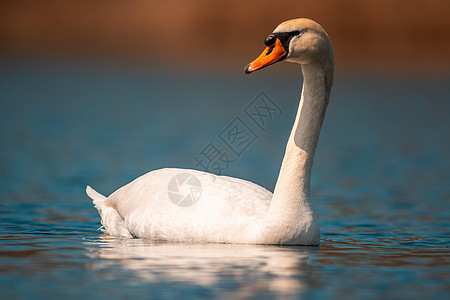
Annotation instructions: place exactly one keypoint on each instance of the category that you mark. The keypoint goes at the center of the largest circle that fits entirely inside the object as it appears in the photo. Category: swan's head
(299, 40)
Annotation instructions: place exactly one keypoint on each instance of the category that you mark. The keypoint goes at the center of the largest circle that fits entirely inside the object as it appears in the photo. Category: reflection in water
(380, 186)
(255, 268)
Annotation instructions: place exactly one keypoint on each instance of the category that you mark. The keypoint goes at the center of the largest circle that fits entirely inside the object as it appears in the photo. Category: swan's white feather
(112, 222)
(229, 210)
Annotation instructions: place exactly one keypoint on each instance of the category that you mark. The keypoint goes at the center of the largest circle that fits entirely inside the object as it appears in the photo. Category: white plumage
(231, 210)
(226, 206)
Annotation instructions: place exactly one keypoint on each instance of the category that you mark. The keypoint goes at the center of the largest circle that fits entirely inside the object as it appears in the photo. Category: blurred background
(396, 33)
(181, 62)
(101, 92)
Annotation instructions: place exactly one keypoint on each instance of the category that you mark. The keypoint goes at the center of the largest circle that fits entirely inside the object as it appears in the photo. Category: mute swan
(231, 210)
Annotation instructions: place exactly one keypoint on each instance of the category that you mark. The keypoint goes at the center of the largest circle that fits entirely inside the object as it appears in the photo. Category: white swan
(231, 210)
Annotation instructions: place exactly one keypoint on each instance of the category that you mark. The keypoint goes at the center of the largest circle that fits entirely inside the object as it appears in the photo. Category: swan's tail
(97, 198)
(112, 222)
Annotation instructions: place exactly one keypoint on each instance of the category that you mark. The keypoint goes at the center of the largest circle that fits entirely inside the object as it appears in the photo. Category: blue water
(380, 183)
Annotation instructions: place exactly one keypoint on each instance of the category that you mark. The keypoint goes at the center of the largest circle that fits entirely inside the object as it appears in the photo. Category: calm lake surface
(380, 185)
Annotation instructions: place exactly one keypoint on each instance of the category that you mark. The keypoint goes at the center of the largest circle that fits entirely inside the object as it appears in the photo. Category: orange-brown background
(364, 32)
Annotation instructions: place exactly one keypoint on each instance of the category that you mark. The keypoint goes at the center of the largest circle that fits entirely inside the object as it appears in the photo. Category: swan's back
(223, 206)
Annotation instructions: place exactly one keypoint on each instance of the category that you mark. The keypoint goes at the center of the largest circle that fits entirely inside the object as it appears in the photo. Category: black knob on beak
(270, 40)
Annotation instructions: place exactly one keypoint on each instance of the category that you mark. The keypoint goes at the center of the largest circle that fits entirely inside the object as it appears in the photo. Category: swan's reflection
(255, 268)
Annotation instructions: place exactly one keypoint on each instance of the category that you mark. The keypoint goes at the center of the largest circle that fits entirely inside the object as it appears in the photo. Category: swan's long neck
(292, 193)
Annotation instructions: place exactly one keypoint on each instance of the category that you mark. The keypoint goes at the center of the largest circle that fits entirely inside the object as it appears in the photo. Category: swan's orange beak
(269, 56)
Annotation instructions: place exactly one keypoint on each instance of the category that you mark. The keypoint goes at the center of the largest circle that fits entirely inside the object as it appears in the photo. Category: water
(380, 184)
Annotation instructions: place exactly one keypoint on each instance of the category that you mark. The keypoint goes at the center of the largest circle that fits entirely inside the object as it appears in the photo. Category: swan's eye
(297, 32)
